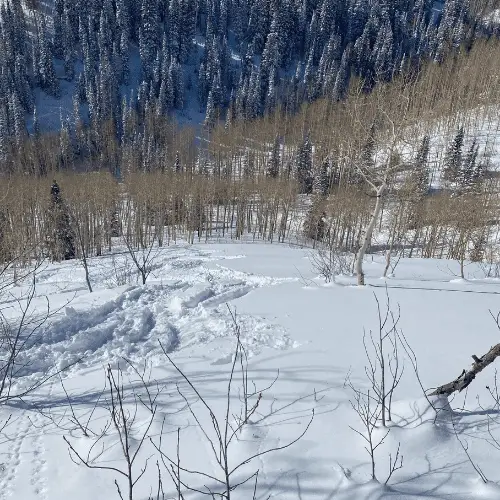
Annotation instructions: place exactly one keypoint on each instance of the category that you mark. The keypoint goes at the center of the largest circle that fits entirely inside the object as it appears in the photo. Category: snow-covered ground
(493, 18)
(304, 334)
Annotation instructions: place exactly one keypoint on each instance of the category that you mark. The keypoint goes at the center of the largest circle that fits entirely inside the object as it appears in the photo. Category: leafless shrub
(391, 264)
(81, 240)
(491, 411)
(70, 420)
(330, 262)
(221, 436)
(140, 240)
(384, 371)
(249, 396)
(465, 448)
(385, 368)
(16, 337)
(368, 409)
(143, 259)
(18, 332)
(145, 378)
(123, 419)
(122, 274)
(412, 357)
(490, 269)
(490, 265)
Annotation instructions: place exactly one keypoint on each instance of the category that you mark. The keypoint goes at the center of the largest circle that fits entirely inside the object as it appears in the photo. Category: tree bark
(467, 376)
(368, 236)
(387, 262)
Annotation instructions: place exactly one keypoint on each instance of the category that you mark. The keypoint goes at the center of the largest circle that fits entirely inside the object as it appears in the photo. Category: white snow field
(304, 335)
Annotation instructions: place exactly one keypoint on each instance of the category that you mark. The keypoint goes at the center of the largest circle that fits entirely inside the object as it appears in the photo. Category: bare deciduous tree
(221, 436)
(123, 419)
(385, 368)
(368, 409)
(379, 164)
(331, 262)
(140, 240)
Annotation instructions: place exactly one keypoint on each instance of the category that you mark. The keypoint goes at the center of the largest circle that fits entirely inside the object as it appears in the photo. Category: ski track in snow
(183, 305)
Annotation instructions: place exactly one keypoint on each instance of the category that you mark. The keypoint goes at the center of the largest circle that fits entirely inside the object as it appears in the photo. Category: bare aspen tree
(378, 168)
(142, 251)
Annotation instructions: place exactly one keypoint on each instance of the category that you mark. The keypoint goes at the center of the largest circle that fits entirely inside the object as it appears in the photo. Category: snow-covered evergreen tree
(304, 166)
(188, 12)
(211, 113)
(16, 113)
(321, 184)
(420, 173)
(68, 47)
(65, 146)
(123, 18)
(314, 226)
(58, 26)
(273, 168)
(452, 165)
(36, 124)
(384, 52)
(4, 134)
(343, 76)
(177, 163)
(248, 48)
(46, 71)
(61, 237)
(469, 167)
(149, 35)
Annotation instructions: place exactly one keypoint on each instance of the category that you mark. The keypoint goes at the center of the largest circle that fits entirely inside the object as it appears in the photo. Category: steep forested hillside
(210, 59)
(138, 138)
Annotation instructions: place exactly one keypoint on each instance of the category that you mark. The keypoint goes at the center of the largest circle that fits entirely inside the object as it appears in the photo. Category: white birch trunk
(368, 236)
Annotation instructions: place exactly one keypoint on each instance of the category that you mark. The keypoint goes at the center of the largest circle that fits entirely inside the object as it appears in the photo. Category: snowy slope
(292, 325)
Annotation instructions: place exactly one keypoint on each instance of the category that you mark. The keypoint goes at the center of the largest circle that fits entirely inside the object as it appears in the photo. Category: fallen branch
(467, 376)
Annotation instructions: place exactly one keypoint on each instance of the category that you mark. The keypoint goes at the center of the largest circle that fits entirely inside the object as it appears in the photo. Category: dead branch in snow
(467, 376)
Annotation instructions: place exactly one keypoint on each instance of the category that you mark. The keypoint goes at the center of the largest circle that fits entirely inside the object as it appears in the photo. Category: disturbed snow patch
(178, 315)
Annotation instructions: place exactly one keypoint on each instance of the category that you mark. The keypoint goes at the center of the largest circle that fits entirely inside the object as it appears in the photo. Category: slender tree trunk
(87, 276)
(368, 236)
(387, 261)
(83, 249)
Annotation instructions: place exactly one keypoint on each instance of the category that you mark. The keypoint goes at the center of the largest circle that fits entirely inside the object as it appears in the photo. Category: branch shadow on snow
(304, 478)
